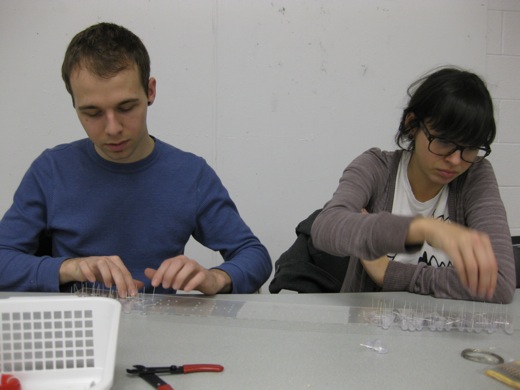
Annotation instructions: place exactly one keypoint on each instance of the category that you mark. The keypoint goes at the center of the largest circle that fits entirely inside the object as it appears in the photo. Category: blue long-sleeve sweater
(144, 212)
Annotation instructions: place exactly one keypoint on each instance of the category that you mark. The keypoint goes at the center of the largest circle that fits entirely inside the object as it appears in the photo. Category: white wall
(503, 75)
(278, 96)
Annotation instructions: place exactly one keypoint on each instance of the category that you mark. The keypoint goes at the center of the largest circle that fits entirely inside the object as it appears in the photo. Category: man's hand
(108, 270)
(470, 252)
(183, 273)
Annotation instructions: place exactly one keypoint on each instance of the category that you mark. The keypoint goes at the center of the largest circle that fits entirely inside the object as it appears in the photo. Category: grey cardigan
(369, 182)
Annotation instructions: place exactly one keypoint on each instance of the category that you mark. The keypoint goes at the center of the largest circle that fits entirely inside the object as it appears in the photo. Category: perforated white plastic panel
(47, 340)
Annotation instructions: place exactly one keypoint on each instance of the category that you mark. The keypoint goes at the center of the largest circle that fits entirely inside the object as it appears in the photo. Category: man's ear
(152, 89)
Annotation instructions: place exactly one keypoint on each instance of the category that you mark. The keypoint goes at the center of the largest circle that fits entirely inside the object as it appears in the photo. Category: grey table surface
(306, 341)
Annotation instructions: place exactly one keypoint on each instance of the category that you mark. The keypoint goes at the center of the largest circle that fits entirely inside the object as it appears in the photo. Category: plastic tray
(62, 342)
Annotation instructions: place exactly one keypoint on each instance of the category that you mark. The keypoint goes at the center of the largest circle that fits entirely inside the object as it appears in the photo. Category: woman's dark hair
(453, 102)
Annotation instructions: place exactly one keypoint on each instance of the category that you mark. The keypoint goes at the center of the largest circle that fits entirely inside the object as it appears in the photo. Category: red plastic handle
(189, 368)
(9, 382)
(165, 387)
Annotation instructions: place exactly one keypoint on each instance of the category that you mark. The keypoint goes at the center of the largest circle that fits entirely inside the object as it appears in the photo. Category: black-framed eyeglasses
(442, 147)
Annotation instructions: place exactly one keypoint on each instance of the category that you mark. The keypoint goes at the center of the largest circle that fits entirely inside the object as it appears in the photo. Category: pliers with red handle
(149, 374)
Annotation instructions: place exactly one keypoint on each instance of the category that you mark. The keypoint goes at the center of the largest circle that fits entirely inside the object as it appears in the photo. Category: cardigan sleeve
(475, 202)
(341, 230)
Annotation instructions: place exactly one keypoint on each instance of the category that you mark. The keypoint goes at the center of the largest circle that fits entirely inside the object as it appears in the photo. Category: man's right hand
(108, 270)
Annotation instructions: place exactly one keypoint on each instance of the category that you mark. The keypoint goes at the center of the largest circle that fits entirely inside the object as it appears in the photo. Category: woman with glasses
(428, 217)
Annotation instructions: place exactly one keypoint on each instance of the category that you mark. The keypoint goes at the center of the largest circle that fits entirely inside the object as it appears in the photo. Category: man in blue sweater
(120, 205)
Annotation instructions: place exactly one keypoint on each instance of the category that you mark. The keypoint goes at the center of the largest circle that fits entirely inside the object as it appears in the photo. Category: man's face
(113, 113)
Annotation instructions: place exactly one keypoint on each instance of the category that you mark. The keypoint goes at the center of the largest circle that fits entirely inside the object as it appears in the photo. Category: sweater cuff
(48, 275)
(235, 275)
(398, 276)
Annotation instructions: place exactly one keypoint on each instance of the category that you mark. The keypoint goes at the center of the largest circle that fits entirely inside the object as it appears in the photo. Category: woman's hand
(470, 252)
(376, 269)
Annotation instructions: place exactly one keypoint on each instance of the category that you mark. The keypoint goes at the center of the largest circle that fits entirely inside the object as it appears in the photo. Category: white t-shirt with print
(405, 203)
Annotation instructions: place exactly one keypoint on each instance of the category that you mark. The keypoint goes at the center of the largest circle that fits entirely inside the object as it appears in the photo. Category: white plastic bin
(59, 342)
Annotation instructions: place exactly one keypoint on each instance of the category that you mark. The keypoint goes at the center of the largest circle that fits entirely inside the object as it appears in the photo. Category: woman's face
(428, 172)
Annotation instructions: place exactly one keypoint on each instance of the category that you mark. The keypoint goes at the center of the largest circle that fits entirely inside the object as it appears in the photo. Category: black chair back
(516, 251)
